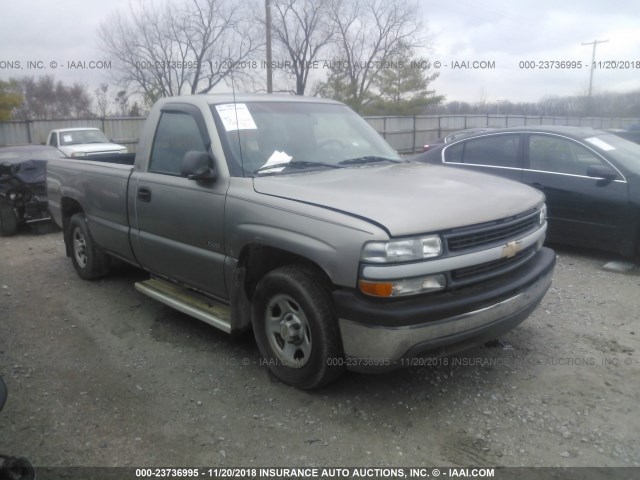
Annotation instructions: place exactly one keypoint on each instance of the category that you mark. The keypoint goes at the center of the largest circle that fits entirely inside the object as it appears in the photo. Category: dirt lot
(100, 375)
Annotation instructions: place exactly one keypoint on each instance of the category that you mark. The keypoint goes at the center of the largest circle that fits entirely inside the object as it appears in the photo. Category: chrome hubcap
(80, 247)
(288, 331)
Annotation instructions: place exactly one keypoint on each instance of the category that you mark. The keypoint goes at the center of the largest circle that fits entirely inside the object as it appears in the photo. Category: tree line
(44, 98)
(194, 46)
(171, 47)
(371, 53)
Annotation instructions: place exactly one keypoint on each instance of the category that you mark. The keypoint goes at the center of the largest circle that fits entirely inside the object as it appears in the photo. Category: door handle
(144, 194)
(537, 185)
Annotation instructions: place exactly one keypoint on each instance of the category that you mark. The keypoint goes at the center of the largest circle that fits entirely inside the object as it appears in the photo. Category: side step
(188, 301)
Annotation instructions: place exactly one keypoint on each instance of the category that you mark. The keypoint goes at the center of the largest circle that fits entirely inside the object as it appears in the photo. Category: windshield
(288, 137)
(77, 137)
(623, 151)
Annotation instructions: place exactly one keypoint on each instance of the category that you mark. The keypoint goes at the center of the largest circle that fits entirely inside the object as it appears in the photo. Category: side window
(560, 155)
(454, 153)
(53, 141)
(494, 150)
(177, 134)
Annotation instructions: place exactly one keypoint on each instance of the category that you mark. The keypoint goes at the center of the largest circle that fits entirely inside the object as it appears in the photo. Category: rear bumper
(377, 338)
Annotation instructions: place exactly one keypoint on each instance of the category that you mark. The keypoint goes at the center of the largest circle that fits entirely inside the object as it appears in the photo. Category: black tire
(89, 261)
(307, 350)
(8, 220)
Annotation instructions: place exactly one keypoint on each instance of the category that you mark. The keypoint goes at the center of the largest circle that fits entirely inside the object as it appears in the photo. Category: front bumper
(377, 336)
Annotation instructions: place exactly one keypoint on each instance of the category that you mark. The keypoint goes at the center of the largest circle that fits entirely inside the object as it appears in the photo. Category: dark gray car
(591, 179)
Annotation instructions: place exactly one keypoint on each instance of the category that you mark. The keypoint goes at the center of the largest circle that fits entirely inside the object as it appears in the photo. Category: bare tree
(122, 103)
(171, 49)
(301, 29)
(44, 99)
(102, 100)
(369, 33)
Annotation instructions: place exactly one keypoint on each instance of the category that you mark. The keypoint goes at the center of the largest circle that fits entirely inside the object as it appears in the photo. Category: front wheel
(295, 328)
(89, 261)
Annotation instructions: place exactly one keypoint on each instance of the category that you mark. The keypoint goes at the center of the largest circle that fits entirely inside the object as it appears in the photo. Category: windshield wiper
(296, 164)
(369, 159)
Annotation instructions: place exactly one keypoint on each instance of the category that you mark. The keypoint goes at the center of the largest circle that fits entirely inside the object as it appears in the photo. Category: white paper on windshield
(67, 138)
(276, 158)
(600, 144)
(236, 116)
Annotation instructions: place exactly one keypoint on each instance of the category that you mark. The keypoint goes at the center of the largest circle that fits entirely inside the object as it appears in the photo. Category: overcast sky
(501, 32)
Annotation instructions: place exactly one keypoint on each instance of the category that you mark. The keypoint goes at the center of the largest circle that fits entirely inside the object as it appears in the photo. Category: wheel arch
(258, 260)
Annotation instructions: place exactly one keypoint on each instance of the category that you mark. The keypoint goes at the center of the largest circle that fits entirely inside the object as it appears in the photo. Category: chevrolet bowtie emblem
(510, 249)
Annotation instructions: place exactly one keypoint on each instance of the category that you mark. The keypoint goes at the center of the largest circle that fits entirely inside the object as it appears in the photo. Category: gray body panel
(179, 232)
(101, 190)
(407, 198)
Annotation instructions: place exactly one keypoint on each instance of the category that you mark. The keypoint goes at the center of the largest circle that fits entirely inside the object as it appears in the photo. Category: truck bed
(105, 202)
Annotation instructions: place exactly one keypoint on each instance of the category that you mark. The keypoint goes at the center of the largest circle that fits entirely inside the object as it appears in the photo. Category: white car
(83, 142)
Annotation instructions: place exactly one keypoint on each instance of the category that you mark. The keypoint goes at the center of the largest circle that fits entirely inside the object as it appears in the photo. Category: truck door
(178, 226)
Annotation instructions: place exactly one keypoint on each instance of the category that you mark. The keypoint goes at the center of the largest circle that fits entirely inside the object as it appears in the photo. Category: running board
(188, 301)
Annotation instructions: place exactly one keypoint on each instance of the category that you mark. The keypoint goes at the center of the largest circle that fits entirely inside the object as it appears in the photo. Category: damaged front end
(23, 194)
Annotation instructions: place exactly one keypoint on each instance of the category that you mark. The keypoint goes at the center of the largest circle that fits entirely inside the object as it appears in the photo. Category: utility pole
(593, 67)
(267, 6)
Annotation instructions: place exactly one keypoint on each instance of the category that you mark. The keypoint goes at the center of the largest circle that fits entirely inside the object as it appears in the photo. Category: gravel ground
(100, 375)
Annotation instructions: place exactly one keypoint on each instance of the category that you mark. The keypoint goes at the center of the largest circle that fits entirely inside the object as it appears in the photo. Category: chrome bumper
(391, 344)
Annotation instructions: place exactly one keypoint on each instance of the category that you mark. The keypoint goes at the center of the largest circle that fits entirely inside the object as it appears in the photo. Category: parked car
(83, 142)
(591, 179)
(293, 217)
(628, 134)
(23, 190)
(452, 137)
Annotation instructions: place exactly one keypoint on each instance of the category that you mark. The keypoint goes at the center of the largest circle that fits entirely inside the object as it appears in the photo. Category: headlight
(78, 154)
(542, 215)
(407, 286)
(405, 250)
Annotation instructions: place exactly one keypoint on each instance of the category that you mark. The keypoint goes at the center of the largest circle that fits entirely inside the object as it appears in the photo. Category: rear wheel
(295, 328)
(8, 220)
(89, 261)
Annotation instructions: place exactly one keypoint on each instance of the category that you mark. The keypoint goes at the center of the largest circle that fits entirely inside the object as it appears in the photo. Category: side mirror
(198, 166)
(602, 171)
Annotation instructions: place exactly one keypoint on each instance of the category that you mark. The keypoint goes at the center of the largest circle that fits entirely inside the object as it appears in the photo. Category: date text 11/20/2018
(578, 64)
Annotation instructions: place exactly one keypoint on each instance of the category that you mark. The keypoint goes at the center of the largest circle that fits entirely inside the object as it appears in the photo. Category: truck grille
(466, 275)
(478, 237)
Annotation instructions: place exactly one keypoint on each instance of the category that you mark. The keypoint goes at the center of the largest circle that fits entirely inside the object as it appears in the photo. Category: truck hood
(93, 148)
(406, 198)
